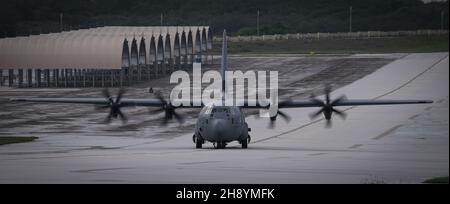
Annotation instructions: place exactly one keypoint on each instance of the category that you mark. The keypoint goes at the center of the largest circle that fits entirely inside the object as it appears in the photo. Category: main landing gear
(198, 142)
(244, 143)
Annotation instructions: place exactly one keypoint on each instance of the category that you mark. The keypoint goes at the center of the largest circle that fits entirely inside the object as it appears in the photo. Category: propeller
(328, 107)
(273, 119)
(168, 109)
(113, 105)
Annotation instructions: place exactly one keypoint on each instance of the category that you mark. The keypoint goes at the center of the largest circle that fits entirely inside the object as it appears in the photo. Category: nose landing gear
(220, 145)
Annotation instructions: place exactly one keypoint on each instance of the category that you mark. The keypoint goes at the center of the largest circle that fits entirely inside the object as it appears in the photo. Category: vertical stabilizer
(224, 64)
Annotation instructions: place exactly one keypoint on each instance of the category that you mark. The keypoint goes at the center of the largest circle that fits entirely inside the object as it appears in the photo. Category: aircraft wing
(282, 104)
(94, 101)
(348, 102)
(101, 101)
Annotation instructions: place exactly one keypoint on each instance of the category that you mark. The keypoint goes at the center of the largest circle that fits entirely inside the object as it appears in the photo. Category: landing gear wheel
(220, 145)
(244, 143)
(198, 143)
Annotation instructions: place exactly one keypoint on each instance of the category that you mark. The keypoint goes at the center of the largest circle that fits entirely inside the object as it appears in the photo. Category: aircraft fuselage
(221, 125)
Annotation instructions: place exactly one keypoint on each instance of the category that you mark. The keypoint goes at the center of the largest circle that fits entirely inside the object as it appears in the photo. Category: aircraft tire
(244, 144)
(198, 143)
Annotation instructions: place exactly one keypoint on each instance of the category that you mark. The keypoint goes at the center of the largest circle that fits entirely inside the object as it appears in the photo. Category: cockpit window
(220, 110)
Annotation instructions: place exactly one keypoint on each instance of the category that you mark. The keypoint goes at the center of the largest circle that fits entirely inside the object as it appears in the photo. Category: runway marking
(317, 154)
(108, 181)
(384, 134)
(414, 78)
(414, 117)
(355, 146)
(279, 157)
(204, 162)
(97, 170)
(378, 97)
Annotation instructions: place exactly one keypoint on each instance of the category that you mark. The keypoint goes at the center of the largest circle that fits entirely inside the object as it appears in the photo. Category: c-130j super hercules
(220, 124)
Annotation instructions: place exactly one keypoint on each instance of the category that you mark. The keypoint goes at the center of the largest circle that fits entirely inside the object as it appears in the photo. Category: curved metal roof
(96, 48)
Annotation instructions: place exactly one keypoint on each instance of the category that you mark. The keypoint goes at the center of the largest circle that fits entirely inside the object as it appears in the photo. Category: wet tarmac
(389, 144)
(299, 77)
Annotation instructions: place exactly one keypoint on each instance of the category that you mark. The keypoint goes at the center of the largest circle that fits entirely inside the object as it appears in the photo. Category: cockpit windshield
(220, 112)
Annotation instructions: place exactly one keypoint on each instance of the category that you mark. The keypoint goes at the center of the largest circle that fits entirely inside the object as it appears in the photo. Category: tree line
(24, 17)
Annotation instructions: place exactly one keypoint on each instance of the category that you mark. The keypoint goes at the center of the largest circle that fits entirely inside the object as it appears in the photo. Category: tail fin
(224, 64)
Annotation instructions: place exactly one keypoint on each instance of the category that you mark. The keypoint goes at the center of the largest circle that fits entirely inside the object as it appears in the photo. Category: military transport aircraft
(220, 124)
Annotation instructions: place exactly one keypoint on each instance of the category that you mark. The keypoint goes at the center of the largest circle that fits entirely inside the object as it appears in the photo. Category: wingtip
(17, 99)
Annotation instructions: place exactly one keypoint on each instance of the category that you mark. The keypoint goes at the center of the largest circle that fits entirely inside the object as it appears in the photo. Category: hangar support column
(38, 77)
(94, 74)
(178, 63)
(75, 77)
(111, 77)
(83, 72)
(69, 77)
(54, 77)
(57, 74)
(10, 77)
(139, 69)
(103, 77)
(170, 63)
(30, 78)
(156, 68)
(20, 78)
(121, 78)
(185, 62)
(129, 74)
(165, 66)
(65, 77)
(47, 77)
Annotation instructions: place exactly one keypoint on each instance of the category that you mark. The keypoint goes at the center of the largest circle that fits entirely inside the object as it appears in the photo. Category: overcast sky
(432, 0)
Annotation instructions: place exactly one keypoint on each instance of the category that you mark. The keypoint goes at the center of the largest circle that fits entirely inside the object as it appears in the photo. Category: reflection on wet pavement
(299, 77)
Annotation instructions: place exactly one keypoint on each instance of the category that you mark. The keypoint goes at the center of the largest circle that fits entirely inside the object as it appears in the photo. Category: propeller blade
(340, 113)
(160, 97)
(165, 121)
(168, 109)
(108, 118)
(327, 106)
(156, 111)
(120, 94)
(122, 116)
(336, 101)
(285, 116)
(328, 124)
(179, 118)
(106, 93)
(316, 114)
(101, 107)
(317, 101)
